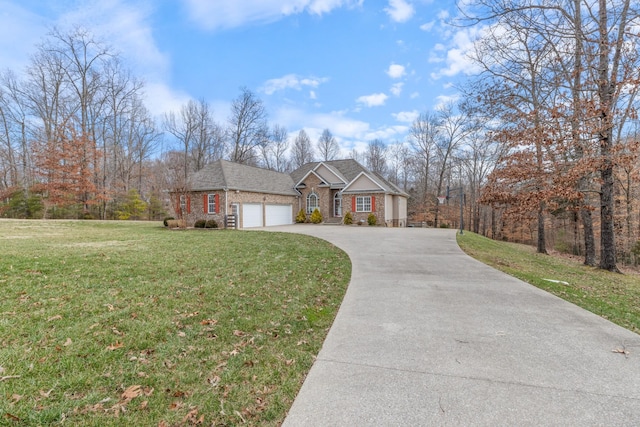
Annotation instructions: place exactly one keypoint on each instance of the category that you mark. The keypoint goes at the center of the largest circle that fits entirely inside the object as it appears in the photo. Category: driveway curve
(426, 335)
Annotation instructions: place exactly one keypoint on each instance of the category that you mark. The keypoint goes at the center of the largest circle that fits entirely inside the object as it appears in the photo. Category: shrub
(444, 225)
(200, 223)
(165, 222)
(21, 205)
(176, 223)
(371, 219)
(348, 218)
(301, 217)
(316, 216)
(211, 223)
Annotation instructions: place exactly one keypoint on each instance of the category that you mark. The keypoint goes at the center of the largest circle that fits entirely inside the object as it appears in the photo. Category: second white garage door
(278, 215)
(251, 215)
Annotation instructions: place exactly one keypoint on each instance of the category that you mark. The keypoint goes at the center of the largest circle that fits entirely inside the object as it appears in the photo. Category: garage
(278, 215)
(251, 215)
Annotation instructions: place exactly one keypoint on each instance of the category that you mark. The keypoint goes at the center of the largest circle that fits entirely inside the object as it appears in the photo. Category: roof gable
(363, 183)
(329, 174)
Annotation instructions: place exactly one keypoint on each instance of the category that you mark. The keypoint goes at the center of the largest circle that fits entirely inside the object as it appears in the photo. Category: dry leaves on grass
(116, 345)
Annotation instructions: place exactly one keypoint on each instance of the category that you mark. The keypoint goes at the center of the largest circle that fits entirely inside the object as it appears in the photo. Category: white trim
(317, 204)
(312, 171)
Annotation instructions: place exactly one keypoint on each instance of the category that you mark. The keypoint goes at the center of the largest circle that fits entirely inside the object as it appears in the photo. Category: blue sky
(363, 69)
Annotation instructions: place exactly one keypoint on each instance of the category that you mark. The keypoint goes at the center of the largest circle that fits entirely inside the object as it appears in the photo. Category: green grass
(121, 323)
(615, 297)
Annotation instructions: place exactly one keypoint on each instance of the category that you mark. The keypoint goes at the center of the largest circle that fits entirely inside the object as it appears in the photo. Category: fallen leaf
(15, 398)
(238, 333)
(621, 351)
(191, 417)
(174, 406)
(51, 319)
(142, 374)
(163, 424)
(116, 345)
(68, 342)
(209, 322)
(109, 306)
(144, 404)
(131, 393)
(289, 362)
(181, 334)
(11, 417)
(45, 394)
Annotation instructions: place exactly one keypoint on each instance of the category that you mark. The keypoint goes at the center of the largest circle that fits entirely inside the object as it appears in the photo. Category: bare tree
(423, 137)
(13, 135)
(302, 151)
(328, 148)
(183, 128)
(248, 128)
(399, 164)
(376, 157)
(208, 140)
(591, 68)
(274, 150)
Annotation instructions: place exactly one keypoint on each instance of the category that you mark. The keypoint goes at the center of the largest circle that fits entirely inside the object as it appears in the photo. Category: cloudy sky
(363, 69)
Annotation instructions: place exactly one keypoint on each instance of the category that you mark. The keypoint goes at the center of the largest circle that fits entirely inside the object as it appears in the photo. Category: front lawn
(122, 323)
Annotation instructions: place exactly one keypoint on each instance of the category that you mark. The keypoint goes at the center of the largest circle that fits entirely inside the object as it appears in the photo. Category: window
(363, 204)
(211, 203)
(312, 202)
(183, 203)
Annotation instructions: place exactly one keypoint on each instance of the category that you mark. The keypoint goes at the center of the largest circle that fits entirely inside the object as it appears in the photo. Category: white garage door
(251, 215)
(278, 215)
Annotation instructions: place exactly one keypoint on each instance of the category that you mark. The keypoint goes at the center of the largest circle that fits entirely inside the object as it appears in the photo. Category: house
(242, 196)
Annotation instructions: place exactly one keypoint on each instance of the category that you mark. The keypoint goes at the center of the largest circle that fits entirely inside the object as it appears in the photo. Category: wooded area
(543, 149)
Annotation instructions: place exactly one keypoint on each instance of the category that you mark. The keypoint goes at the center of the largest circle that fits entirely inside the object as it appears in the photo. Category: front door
(337, 205)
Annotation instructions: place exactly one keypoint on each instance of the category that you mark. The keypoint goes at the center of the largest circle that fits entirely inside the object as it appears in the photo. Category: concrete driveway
(428, 336)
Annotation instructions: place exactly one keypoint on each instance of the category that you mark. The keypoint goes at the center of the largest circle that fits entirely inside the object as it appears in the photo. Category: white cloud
(457, 56)
(312, 94)
(427, 26)
(160, 98)
(345, 129)
(396, 71)
(291, 81)
(445, 100)
(406, 116)
(396, 88)
(400, 10)
(126, 25)
(20, 31)
(216, 14)
(374, 100)
(387, 133)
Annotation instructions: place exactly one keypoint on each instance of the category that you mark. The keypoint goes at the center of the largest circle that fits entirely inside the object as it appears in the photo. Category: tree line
(543, 148)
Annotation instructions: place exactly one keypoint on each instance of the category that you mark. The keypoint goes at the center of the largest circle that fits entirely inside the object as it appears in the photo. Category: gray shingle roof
(223, 174)
(349, 169)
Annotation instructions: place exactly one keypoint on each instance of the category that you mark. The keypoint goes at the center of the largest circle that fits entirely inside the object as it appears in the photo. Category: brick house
(242, 196)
